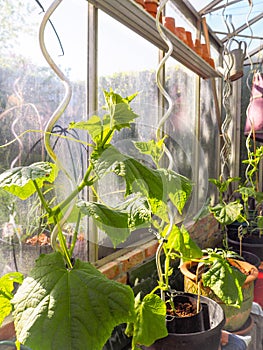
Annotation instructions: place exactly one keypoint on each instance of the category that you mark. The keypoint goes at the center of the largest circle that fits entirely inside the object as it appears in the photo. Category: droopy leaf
(177, 187)
(149, 324)
(118, 222)
(19, 180)
(179, 240)
(6, 292)
(157, 185)
(226, 214)
(225, 281)
(77, 309)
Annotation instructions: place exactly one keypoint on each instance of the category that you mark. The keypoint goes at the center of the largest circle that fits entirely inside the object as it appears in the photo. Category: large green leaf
(180, 241)
(177, 187)
(149, 324)
(118, 222)
(157, 185)
(69, 309)
(20, 180)
(226, 214)
(6, 292)
(225, 281)
(138, 177)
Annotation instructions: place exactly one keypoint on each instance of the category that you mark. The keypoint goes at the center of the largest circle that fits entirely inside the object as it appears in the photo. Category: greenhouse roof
(238, 19)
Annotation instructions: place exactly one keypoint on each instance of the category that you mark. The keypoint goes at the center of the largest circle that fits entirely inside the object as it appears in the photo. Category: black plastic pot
(189, 324)
(250, 258)
(208, 339)
(252, 242)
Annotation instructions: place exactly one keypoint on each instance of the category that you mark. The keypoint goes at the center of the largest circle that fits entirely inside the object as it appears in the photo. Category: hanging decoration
(225, 153)
(254, 113)
(254, 121)
(234, 59)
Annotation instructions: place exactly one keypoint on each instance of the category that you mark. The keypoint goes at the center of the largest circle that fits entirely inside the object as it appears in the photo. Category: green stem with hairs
(42, 198)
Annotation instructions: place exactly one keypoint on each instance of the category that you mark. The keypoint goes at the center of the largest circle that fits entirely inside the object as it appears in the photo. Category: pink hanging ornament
(254, 119)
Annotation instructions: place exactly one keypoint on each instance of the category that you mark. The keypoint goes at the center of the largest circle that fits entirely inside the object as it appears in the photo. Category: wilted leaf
(157, 185)
(19, 180)
(118, 222)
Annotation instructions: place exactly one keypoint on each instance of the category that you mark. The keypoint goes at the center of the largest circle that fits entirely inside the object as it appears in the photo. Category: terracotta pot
(180, 32)
(197, 47)
(7, 331)
(169, 23)
(189, 39)
(204, 52)
(141, 3)
(235, 318)
(151, 6)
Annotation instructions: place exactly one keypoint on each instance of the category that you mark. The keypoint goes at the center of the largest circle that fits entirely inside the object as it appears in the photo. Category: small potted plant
(223, 277)
(248, 235)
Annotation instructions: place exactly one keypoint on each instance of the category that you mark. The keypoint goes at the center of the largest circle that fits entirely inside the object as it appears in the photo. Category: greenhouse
(131, 175)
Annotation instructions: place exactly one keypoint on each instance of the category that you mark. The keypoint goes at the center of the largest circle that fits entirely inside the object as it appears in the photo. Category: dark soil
(186, 309)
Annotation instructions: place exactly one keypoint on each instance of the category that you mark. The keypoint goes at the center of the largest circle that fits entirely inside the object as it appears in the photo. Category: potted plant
(231, 213)
(67, 303)
(221, 276)
(248, 235)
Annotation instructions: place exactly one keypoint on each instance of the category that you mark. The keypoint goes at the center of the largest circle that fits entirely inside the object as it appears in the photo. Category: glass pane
(30, 93)
(209, 131)
(181, 126)
(126, 63)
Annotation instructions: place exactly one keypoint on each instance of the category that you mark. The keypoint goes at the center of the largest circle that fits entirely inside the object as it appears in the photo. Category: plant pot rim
(249, 268)
(205, 300)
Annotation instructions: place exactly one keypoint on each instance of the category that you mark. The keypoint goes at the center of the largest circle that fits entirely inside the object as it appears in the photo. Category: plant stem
(85, 182)
(75, 235)
(42, 198)
(106, 138)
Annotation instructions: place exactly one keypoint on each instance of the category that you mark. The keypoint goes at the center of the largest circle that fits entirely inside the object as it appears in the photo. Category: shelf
(131, 15)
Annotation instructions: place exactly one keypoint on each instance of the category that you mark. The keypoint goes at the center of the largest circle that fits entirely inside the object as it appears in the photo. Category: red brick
(150, 249)
(110, 270)
(122, 279)
(131, 259)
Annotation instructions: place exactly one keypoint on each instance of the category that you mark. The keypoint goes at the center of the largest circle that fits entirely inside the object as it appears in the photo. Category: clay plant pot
(180, 32)
(235, 317)
(169, 23)
(140, 3)
(206, 339)
(151, 7)
(7, 331)
(189, 39)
